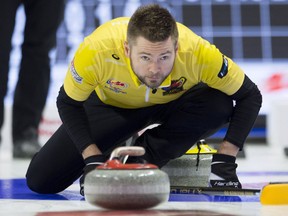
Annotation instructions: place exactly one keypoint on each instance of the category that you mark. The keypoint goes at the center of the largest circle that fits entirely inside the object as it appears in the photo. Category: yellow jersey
(100, 65)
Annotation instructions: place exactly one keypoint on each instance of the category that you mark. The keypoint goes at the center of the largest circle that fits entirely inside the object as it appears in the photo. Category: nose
(154, 67)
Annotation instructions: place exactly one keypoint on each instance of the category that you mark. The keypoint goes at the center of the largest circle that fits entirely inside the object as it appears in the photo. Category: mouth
(153, 79)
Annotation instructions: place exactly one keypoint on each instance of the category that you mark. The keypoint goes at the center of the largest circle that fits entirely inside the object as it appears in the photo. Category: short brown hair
(152, 22)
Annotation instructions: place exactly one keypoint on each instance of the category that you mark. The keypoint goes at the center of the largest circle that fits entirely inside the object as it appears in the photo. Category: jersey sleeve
(217, 70)
(81, 78)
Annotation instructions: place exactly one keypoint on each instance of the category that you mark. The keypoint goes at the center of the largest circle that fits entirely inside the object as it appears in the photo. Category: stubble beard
(152, 85)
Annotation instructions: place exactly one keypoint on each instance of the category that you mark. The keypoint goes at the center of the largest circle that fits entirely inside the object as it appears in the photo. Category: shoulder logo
(224, 69)
(74, 73)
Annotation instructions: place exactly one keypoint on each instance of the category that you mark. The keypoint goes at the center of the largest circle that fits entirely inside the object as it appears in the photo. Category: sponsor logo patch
(175, 87)
(74, 73)
(116, 86)
(224, 69)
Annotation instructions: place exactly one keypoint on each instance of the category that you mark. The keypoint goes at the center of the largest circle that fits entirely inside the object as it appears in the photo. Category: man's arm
(74, 118)
(248, 103)
(223, 167)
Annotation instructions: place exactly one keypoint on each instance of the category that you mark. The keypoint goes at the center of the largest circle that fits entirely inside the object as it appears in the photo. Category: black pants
(197, 114)
(42, 20)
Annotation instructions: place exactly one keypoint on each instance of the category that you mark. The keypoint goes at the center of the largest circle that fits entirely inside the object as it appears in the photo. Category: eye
(145, 58)
(164, 58)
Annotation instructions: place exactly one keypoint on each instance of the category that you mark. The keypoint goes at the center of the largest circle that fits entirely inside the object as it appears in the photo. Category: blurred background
(253, 33)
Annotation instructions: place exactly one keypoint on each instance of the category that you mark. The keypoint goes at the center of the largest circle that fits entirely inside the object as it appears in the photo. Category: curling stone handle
(127, 150)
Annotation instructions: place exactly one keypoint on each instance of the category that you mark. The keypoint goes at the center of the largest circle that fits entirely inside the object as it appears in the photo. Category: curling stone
(120, 186)
(274, 194)
(189, 171)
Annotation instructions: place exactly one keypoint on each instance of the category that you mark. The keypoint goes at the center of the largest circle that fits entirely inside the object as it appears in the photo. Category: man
(131, 73)
(42, 21)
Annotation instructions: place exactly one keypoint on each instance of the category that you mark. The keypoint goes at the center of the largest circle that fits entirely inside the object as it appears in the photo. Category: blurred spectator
(42, 21)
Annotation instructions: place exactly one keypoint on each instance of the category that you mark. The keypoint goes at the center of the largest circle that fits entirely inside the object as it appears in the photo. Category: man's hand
(91, 163)
(223, 172)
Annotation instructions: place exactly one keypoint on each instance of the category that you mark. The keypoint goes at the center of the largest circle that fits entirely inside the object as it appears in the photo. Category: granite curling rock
(120, 186)
(186, 171)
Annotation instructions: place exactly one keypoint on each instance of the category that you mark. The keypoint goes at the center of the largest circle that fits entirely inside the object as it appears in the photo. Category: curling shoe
(26, 146)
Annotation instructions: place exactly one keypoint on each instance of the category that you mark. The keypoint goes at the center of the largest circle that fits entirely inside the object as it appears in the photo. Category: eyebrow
(145, 53)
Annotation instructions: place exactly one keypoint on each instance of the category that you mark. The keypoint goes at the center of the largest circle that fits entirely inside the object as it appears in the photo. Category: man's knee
(43, 185)
(39, 181)
(36, 185)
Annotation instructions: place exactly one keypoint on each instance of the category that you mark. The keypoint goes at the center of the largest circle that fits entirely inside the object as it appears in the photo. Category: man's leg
(42, 21)
(56, 166)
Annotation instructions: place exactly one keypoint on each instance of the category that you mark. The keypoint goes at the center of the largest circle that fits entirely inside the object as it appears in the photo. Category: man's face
(151, 62)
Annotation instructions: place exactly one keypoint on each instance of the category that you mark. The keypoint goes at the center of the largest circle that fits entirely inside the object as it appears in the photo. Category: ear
(176, 47)
(126, 48)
